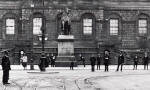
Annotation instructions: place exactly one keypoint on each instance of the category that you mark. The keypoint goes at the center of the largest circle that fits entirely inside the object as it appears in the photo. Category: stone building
(95, 24)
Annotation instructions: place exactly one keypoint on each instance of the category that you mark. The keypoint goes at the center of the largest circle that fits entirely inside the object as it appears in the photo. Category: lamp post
(31, 51)
(43, 28)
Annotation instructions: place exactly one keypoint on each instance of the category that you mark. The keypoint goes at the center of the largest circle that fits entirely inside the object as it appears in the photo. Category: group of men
(98, 59)
(136, 61)
(45, 61)
(121, 60)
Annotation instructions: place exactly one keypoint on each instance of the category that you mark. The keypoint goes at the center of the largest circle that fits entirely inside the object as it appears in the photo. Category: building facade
(96, 25)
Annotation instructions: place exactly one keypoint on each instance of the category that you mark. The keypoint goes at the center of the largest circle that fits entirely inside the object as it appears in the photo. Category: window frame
(113, 34)
(7, 26)
(90, 26)
(40, 32)
(142, 34)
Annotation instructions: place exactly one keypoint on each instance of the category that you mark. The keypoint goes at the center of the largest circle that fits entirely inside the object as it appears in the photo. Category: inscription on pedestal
(65, 45)
(65, 50)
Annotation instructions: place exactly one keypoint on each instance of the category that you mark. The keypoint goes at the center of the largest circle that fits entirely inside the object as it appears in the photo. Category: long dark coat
(99, 60)
(120, 59)
(5, 63)
(145, 60)
(43, 62)
(136, 60)
(93, 60)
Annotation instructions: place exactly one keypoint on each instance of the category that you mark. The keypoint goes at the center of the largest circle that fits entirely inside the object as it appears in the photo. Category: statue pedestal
(65, 51)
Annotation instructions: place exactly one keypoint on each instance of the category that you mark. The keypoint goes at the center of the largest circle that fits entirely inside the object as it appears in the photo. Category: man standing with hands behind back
(5, 67)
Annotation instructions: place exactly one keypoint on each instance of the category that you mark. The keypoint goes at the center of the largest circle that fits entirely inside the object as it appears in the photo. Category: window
(114, 26)
(37, 24)
(10, 26)
(87, 26)
(142, 25)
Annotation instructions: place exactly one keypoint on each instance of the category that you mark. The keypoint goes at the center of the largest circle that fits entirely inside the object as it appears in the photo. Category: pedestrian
(48, 60)
(99, 58)
(93, 60)
(53, 58)
(42, 63)
(72, 63)
(5, 67)
(24, 60)
(120, 61)
(145, 61)
(106, 60)
(82, 59)
(136, 60)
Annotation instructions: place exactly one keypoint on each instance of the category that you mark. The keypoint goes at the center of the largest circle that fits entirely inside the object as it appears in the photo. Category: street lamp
(40, 37)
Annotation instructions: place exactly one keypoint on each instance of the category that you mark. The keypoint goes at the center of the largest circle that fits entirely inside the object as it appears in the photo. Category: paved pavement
(81, 78)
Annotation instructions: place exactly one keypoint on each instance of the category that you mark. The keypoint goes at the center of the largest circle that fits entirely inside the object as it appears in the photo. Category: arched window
(10, 26)
(88, 24)
(37, 23)
(142, 24)
(114, 24)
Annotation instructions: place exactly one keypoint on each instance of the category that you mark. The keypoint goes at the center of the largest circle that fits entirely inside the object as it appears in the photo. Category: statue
(65, 23)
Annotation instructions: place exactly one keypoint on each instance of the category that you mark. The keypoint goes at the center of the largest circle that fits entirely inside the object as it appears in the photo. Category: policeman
(5, 67)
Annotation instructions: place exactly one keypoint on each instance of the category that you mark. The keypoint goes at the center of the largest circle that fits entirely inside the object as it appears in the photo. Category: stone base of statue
(65, 51)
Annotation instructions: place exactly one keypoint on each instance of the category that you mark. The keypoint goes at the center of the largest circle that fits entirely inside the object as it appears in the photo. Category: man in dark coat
(99, 58)
(42, 63)
(53, 58)
(145, 61)
(72, 63)
(135, 62)
(48, 60)
(93, 60)
(5, 67)
(120, 61)
(106, 60)
(82, 59)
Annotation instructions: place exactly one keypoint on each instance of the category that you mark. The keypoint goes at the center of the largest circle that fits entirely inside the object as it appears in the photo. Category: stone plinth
(65, 61)
(65, 51)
